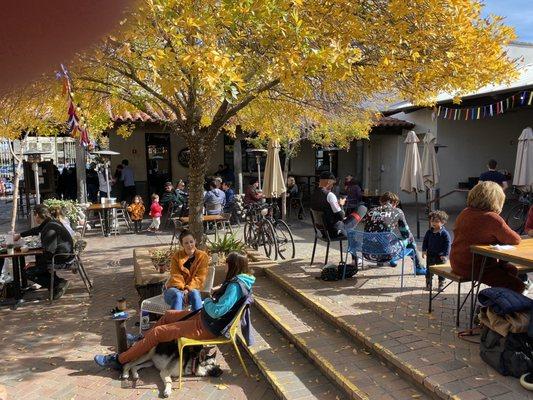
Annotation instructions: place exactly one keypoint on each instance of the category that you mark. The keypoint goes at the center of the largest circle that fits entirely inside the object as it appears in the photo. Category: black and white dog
(197, 361)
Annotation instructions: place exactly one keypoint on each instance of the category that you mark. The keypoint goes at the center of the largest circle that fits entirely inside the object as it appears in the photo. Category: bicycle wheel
(286, 248)
(516, 218)
(267, 238)
(250, 235)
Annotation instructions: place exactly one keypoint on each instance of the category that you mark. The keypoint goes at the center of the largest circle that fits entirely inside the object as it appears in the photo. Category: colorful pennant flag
(521, 99)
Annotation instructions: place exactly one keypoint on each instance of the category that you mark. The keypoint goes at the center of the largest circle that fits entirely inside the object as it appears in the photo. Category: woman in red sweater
(480, 223)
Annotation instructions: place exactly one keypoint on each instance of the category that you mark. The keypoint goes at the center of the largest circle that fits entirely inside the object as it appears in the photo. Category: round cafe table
(104, 208)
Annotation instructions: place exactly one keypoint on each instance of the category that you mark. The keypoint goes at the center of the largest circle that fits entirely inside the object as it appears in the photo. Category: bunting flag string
(75, 125)
(521, 99)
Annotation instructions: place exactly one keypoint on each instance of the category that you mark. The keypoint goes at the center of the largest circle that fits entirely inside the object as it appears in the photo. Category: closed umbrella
(273, 183)
(430, 167)
(412, 177)
(523, 170)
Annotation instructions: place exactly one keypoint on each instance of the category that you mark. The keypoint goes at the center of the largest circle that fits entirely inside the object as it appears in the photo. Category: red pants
(168, 328)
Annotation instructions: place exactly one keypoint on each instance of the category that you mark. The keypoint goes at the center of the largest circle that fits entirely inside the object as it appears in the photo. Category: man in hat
(325, 201)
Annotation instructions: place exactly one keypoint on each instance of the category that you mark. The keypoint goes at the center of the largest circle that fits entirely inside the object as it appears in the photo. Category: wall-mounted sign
(184, 157)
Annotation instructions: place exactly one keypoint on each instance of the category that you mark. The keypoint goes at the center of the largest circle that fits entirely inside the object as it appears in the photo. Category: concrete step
(360, 374)
(290, 373)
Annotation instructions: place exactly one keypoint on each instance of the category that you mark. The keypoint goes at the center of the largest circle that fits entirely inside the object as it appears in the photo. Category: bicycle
(259, 231)
(517, 215)
(285, 241)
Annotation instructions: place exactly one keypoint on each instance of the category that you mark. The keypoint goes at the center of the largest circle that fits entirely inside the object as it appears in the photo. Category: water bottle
(145, 320)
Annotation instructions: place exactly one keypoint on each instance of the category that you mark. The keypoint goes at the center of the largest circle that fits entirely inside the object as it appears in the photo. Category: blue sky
(517, 13)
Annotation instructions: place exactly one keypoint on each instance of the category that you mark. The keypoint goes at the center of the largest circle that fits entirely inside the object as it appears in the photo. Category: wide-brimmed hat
(327, 175)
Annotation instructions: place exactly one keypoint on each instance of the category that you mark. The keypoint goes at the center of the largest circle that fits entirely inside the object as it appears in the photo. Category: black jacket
(55, 239)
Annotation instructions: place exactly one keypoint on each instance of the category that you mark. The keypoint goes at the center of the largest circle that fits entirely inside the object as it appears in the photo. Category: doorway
(157, 161)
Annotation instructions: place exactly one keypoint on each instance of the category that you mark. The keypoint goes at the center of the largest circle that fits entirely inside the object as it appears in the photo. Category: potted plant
(71, 209)
(219, 249)
(161, 259)
(225, 245)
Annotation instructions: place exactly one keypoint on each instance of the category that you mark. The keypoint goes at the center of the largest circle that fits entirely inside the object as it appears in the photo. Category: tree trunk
(19, 160)
(197, 171)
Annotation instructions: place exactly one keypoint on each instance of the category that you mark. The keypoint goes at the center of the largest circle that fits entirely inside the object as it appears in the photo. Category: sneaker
(131, 338)
(109, 361)
(420, 271)
(60, 289)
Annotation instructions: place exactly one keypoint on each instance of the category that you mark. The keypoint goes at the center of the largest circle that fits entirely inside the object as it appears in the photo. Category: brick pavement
(392, 322)
(47, 350)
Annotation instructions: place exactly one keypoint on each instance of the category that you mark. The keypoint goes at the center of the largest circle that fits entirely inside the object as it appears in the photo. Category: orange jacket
(181, 277)
(136, 211)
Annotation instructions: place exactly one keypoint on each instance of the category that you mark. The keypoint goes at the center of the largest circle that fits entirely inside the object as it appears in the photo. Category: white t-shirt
(333, 202)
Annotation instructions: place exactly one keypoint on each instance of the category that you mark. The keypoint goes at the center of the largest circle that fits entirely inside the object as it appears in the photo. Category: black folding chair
(75, 265)
(321, 233)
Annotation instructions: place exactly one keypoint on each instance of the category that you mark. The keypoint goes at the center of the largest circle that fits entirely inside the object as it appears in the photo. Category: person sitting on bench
(480, 223)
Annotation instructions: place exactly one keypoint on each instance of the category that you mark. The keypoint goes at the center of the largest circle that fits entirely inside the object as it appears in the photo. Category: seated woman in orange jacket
(188, 270)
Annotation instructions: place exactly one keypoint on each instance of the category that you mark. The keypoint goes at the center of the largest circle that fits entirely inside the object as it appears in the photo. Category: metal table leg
(106, 222)
(473, 299)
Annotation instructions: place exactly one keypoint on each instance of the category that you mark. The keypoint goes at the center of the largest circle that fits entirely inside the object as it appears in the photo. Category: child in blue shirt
(436, 245)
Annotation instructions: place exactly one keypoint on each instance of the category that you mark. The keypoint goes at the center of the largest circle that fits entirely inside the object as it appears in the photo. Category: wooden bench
(445, 270)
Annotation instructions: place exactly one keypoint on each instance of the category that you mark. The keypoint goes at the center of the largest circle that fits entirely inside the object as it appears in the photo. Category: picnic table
(104, 208)
(520, 255)
(19, 275)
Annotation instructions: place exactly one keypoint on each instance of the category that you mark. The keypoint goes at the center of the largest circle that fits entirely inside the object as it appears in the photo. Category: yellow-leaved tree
(271, 65)
(38, 108)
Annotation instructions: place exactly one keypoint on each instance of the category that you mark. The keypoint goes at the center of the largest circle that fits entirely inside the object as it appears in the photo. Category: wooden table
(104, 208)
(19, 275)
(205, 218)
(520, 255)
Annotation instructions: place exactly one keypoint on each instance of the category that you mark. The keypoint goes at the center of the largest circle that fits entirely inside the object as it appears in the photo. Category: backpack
(333, 272)
(511, 355)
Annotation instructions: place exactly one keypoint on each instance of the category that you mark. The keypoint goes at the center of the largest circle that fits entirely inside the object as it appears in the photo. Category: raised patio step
(290, 373)
(356, 371)
(444, 371)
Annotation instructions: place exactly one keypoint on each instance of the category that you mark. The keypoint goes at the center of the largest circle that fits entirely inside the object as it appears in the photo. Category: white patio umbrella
(430, 166)
(273, 183)
(412, 179)
(523, 170)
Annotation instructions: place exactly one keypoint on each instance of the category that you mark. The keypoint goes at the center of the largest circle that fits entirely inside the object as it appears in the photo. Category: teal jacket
(229, 298)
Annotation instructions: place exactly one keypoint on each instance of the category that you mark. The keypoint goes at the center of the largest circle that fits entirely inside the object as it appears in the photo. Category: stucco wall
(304, 162)
(470, 145)
(133, 148)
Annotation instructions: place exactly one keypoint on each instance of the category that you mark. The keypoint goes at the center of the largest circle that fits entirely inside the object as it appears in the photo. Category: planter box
(148, 281)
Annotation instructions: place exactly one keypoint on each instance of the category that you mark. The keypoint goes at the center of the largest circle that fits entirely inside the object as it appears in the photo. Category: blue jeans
(174, 298)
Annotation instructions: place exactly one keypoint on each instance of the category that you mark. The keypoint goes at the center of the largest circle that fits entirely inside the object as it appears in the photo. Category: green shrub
(227, 244)
(69, 208)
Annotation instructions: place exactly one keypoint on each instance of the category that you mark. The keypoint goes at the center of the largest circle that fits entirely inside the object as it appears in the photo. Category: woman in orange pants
(207, 323)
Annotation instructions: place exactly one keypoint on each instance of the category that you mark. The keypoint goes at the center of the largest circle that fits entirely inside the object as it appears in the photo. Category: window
(326, 160)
